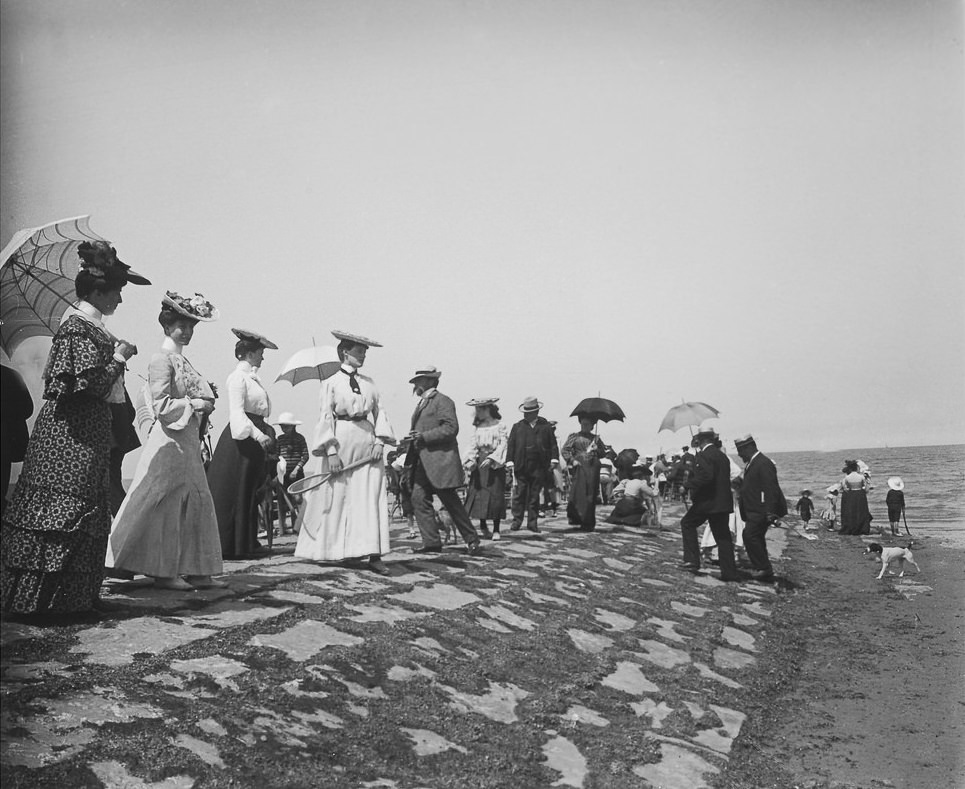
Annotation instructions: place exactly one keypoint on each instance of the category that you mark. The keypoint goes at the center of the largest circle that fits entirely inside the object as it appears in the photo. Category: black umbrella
(600, 409)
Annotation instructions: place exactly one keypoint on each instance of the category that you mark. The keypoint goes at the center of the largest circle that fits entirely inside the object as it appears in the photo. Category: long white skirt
(349, 514)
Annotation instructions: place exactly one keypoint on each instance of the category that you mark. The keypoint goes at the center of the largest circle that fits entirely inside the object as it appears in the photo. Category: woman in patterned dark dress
(55, 530)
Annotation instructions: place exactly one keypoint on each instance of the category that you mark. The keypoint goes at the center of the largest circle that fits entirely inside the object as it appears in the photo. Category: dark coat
(438, 451)
(541, 438)
(760, 492)
(16, 410)
(709, 485)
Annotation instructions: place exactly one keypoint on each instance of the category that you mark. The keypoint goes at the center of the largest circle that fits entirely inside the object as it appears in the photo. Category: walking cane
(906, 521)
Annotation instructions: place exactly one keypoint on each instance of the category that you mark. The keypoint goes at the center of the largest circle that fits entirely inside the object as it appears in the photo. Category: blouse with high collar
(246, 395)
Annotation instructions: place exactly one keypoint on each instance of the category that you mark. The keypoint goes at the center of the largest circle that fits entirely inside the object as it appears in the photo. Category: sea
(934, 478)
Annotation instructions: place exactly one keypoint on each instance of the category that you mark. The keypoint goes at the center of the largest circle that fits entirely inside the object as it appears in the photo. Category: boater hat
(358, 339)
(196, 307)
(426, 372)
(287, 418)
(705, 431)
(529, 405)
(896, 483)
(251, 336)
(481, 401)
(744, 441)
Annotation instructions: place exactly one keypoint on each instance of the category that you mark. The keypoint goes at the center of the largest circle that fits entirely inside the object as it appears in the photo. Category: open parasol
(600, 409)
(315, 363)
(37, 279)
(687, 414)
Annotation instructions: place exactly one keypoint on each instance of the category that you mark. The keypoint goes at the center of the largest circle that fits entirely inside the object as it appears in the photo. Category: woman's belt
(347, 418)
(258, 419)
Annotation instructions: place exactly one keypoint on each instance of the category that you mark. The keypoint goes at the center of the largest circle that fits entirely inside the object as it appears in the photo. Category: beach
(555, 659)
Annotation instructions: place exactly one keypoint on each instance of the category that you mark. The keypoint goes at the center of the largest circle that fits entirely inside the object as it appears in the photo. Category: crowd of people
(70, 520)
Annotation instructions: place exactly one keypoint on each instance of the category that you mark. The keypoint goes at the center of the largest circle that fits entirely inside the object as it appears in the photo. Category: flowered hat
(481, 401)
(99, 259)
(196, 307)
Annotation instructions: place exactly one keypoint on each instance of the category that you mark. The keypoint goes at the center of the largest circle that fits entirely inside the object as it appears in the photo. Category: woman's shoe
(205, 582)
(174, 584)
(496, 536)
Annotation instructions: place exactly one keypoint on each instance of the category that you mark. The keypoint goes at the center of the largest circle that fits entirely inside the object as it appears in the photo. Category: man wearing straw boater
(345, 517)
(531, 450)
(433, 460)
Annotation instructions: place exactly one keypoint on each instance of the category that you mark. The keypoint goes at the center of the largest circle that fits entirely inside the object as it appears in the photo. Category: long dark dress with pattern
(55, 530)
(585, 449)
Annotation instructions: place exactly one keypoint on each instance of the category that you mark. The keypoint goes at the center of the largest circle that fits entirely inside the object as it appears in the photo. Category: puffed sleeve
(470, 454)
(569, 448)
(241, 426)
(77, 364)
(324, 441)
(498, 455)
(172, 411)
(383, 428)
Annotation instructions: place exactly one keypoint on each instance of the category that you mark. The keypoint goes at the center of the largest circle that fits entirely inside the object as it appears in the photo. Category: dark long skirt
(628, 512)
(855, 516)
(584, 484)
(237, 470)
(56, 528)
(486, 496)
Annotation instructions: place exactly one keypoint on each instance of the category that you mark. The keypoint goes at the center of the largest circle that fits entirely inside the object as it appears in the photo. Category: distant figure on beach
(485, 462)
(830, 511)
(855, 515)
(805, 507)
(762, 504)
(895, 501)
(531, 449)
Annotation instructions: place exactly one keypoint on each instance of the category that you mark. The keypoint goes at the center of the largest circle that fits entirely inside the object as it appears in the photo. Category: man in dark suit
(434, 463)
(531, 449)
(761, 503)
(711, 502)
(16, 406)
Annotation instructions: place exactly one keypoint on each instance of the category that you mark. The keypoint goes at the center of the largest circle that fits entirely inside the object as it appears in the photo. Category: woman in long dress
(346, 518)
(855, 515)
(166, 527)
(485, 462)
(239, 466)
(55, 529)
(582, 452)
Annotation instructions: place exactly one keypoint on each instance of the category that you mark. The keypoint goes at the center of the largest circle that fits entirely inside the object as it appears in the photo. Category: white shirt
(246, 394)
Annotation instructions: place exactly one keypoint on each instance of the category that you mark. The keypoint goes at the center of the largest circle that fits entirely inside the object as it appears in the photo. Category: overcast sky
(755, 204)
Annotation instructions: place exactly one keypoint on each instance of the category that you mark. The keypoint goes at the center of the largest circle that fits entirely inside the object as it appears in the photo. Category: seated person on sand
(637, 502)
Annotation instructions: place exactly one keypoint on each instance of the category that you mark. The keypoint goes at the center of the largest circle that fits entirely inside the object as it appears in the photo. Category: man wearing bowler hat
(433, 459)
(711, 502)
(762, 503)
(531, 450)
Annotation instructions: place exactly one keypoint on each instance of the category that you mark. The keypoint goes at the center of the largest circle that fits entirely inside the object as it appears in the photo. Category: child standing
(830, 513)
(896, 502)
(805, 507)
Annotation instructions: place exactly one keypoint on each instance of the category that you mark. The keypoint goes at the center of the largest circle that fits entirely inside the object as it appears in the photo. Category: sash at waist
(258, 420)
(347, 418)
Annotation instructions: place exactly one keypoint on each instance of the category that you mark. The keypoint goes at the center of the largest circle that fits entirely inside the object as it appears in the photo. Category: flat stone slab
(564, 757)
(662, 655)
(520, 547)
(511, 571)
(648, 708)
(580, 714)
(739, 638)
(287, 596)
(616, 564)
(722, 741)
(678, 768)
(616, 622)
(219, 668)
(114, 775)
(234, 614)
(689, 610)
(709, 673)
(305, 639)
(629, 678)
(383, 613)
(508, 617)
(404, 674)
(538, 597)
(594, 643)
(442, 597)
(665, 629)
(428, 743)
(205, 751)
(731, 658)
(118, 645)
(498, 704)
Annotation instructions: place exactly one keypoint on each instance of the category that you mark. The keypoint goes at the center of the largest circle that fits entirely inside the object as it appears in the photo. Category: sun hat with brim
(477, 402)
(744, 441)
(530, 404)
(251, 336)
(705, 431)
(425, 372)
(196, 307)
(287, 418)
(896, 483)
(358, 339)
(805, 492)
(100, 259)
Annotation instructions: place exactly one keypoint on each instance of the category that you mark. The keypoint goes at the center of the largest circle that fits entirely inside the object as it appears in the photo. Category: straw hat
(287, 418)
(481, 401)
(426, 372)
(530, 404)
(358, 339)
(896, 483)
(196, 307)
(252, 336)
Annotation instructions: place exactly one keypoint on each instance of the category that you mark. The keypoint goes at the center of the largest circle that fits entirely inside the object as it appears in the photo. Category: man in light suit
(711, 502)
(762, 503)
(433, 460)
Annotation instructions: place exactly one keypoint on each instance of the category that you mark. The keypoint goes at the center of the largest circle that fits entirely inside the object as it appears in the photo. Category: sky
(755, 204)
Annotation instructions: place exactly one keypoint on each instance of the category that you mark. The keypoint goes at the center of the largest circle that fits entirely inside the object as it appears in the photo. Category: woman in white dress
(485, 464)
(166, 527)
(347, 517)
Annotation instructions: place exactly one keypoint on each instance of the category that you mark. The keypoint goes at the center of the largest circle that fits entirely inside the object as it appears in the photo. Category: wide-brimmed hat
(196, 307)
(834, 490)
(705, 431)
(805, 492)
(252, 336)
(287, 418)
(896, 483)
(477, 402)
(530, 404)
(358, 339)
(744, 441)
(100, 259)
(426, 372)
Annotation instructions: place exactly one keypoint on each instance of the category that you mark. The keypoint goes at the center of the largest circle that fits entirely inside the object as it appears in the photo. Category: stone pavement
(554, 659)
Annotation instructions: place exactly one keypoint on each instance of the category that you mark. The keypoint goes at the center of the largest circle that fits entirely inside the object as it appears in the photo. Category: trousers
(755, 544)
(719, 527)
(422, 493)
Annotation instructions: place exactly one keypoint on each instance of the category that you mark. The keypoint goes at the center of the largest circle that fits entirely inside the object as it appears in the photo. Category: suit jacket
(709, 484)
(17, 406)
(439, 451)
(541, 439)
(760, 492)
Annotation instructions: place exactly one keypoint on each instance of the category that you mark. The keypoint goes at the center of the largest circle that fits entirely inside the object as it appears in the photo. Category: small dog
(891, 555)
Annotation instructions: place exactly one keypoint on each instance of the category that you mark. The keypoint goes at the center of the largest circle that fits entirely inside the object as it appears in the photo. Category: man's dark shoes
(474, 548)
(376, 566)
(690, 567)
(532, 527)
(516, 527)
(762, 576)
(428, 549)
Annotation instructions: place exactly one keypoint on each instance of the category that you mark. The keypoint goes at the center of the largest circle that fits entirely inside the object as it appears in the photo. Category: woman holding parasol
(346, 517)
(56, 528)
(582, 452)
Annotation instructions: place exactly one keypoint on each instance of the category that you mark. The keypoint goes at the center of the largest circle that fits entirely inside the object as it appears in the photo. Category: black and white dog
(891, 555)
